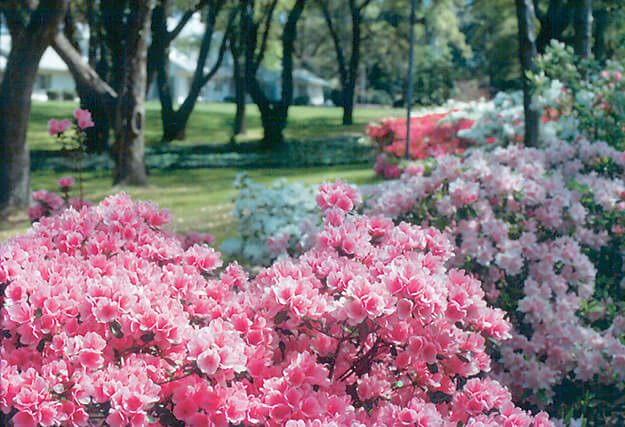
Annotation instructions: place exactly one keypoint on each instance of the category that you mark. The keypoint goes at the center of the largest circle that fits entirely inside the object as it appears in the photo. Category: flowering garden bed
(483, 287)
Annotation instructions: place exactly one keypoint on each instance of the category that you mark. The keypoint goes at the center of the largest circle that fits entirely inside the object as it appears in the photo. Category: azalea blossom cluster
(543, 231)
(272, 220)
(590, 93)
(48, 203)
(105, 317)
(82, 118)
(430, 136)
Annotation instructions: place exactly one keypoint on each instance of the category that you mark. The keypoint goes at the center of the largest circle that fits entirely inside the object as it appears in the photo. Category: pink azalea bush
(105, 317)
(48, 203)
(543, 232)
(430, 136)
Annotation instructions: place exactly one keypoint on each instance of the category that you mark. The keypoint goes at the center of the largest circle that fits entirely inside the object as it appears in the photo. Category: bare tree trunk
(175, 121)
(273, 114)
(583, 27)
(99, 59)
(28, 42)
(552, 23)
(527, 53)
(240, 92)
(348, 72)
(129, 149)
(601, 23)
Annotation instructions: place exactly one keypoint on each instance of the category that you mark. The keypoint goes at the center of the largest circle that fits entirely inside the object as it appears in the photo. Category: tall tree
(175, 121)
(127, 25)
(527, 54)
(274, 113)
(162, 38)
(348, 68)
(553, 22)
(582, 23)
(237, 43)
(32, 26)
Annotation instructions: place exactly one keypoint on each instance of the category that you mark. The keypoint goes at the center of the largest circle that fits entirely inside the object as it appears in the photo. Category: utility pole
(413, 8)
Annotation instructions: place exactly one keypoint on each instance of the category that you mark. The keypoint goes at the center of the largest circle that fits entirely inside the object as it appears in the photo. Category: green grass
(212, 123)
(199, 199)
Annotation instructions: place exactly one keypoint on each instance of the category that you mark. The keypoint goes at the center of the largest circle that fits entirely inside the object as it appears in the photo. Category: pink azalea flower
(84, 118)
(66, 182)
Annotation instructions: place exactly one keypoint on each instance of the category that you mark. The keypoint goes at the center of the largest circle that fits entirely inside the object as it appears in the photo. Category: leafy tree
(257, 22)
(175, 121)
(127, 28)
(527, 55)
(32, 26)
(348, 61)
(441, 51)
(237, 45)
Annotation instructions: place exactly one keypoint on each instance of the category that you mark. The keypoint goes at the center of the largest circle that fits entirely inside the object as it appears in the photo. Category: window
(43, 81)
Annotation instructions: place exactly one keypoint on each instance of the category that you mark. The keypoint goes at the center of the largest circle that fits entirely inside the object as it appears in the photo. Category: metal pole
(413, 8)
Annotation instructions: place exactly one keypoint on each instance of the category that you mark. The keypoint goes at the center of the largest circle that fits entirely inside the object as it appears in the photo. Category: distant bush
(301, 100)
(53, 95)
(230, 99)
(378, 97)
(68, 95)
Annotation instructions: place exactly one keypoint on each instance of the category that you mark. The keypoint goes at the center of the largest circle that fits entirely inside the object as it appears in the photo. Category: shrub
(543, 231)
(430, 136)
(593, 95)
(301, 100)
(68, 95)
(106, 318)
(272, 220)
(53, 95)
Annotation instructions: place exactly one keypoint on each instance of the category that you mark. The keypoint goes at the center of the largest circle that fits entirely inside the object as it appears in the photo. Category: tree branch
(222, 49)
(340, 56)
(171, 35)
(364, 4)
(268, 17)
(80, 69)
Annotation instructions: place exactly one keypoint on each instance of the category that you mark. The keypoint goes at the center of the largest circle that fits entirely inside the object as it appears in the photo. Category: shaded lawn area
(212, 123)
(199, 199)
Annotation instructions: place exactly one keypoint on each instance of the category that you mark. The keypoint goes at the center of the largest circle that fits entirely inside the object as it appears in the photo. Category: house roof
(50, 61)
(308, 77)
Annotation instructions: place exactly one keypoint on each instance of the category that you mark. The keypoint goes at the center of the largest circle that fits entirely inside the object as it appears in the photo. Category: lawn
(212, 123)
(200, 199)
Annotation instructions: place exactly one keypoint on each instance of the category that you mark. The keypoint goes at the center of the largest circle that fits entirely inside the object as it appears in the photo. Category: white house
(53, 75)
(221, 86)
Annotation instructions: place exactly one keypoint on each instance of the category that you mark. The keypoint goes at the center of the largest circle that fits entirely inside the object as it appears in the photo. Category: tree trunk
(239, 96)
(527, 53)
(98, 136)
(129, 147)
(553, 23)
(273, 123)
(273, 114)
(17, 87)
(237, 47)
(349, 89)
(27, 47)
(348, 106)
(601, 23)
(175, 121)
(583, 27)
